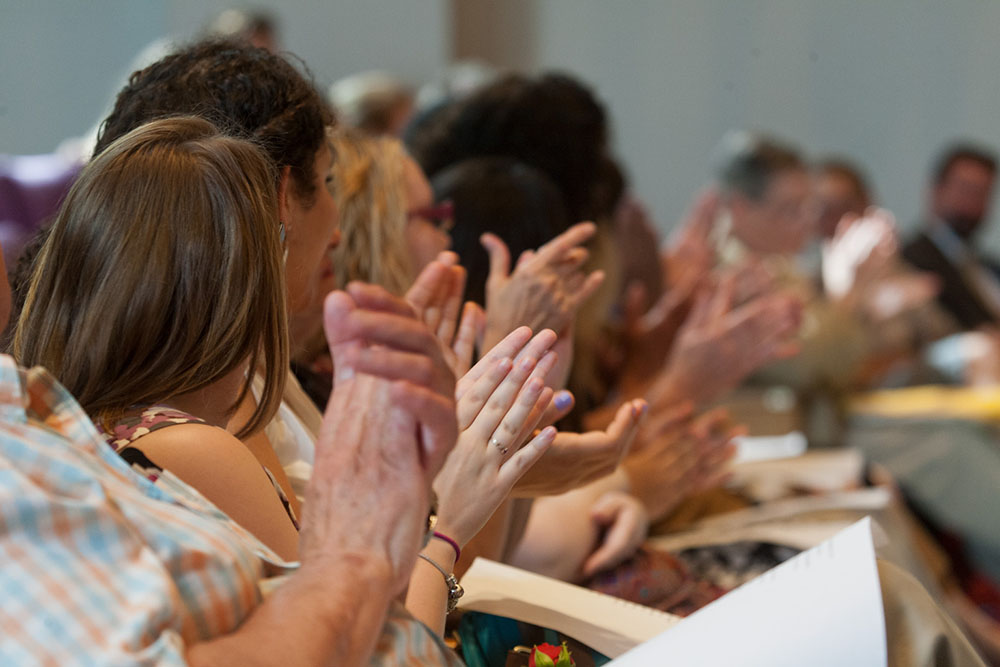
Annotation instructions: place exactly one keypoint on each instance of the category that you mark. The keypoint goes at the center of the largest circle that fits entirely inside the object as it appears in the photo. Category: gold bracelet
(455, 590)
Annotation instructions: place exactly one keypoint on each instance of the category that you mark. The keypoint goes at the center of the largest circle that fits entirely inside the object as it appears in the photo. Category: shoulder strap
(153, 418)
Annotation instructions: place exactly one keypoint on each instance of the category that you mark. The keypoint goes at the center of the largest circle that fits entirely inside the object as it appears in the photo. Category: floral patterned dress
(124, 434)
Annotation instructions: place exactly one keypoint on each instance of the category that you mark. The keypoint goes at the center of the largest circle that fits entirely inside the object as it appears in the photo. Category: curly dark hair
(553, 123)
(248, 92)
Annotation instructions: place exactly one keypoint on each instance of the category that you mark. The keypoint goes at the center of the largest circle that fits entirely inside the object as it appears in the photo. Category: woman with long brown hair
(138, 306)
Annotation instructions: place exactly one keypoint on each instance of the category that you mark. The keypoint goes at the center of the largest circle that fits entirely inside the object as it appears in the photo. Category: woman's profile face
(426, 238)
(312, 232)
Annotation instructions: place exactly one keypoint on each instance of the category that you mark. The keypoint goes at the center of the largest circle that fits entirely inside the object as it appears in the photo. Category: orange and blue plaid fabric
(100, 565)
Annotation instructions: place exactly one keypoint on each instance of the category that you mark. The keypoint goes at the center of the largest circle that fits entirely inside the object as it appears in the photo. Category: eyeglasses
(441, 215)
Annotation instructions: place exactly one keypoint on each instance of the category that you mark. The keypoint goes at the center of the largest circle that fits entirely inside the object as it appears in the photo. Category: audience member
(374, 102)
(959, 198)
(841, 189)
(161, 354)
(259, 95)
(391, 228)
(553, 123)
(256, 28)
(766, 219)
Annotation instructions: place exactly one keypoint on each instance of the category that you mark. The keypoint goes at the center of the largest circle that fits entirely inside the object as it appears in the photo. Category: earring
(281, 239)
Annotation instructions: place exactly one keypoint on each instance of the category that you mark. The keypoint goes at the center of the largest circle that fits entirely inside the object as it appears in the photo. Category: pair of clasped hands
(399, 423)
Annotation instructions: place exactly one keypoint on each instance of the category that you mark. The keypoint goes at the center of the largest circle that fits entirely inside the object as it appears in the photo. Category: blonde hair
(370, 189)
(162, 274)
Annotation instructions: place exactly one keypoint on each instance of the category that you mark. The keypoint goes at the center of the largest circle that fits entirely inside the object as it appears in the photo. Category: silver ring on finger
(499, 445)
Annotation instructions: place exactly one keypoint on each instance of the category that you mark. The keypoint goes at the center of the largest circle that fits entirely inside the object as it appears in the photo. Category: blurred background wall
(885, 83)
(62, 61)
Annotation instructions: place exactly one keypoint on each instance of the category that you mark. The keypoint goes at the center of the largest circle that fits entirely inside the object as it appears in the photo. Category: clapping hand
(720, 344)
(546, 287)
(500, 402)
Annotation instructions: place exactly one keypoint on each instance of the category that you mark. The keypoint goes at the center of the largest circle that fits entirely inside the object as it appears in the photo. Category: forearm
(491, 541)
(560, 534)
(520, 514)
(330, 613)
(427, 596)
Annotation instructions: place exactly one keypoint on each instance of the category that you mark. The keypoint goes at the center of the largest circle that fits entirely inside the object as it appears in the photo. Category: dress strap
(153, 418)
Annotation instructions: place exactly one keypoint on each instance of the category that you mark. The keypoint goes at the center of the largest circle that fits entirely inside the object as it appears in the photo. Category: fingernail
(563, 400)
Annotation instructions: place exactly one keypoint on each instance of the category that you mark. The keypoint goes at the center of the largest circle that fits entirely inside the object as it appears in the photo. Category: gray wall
(62, 60)
(885, 82)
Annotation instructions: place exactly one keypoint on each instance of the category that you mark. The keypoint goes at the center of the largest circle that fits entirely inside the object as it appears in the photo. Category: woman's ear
(285, 196)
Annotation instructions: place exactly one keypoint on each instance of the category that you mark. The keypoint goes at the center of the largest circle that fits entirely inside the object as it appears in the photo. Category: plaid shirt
(100, 565)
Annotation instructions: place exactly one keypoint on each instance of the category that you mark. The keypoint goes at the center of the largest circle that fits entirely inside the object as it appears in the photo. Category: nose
(334, 239)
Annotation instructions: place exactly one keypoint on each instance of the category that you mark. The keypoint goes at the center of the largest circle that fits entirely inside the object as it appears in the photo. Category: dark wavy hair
(553, 123)
(518, 203)
(246, 91)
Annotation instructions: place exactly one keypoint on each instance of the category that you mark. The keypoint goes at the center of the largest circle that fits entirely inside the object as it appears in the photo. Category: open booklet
(822, 607)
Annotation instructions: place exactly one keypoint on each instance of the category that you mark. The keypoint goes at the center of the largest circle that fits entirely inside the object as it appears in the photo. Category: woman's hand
(647, 337)
(436, 296)
(501, 401)
(575, 459)
(690, 255)
(720, 344)
(623, 524)
(546, 287)
(676, 456)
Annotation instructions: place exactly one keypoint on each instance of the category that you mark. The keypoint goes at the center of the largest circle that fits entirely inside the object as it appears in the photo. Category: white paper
(820, 471)
(767, 447)
(872, 499)
(799, 534)
(606, 624)
(823, 607)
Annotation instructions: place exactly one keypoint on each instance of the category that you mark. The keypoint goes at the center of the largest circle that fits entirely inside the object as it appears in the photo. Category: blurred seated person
(859, 250)
(840, 189)
(758, 224)
(374, 102)
(257, 28)
(958, 204)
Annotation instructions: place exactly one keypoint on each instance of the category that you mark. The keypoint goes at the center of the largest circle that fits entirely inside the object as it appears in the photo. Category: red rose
(547, 655)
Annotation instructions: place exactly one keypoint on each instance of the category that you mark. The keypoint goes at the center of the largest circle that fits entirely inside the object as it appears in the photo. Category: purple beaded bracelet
(453, 543)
